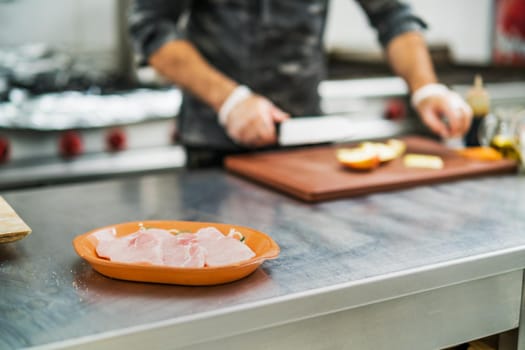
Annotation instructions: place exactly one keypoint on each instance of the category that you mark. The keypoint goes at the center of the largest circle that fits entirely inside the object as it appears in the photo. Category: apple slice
(398, 146)
(368, 155)
(388, 151)
(385, 152)
(361, 158)
(423, 161)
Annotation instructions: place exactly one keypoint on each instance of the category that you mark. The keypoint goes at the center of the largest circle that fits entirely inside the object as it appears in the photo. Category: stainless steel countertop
(335, 255)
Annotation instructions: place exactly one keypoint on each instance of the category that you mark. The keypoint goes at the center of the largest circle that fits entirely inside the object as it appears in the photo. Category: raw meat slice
(209, 233)
(207, 247)
(105, 235)
(225, 251)
(186, 238)
(222, 250)
(178, 254)
(141, 246)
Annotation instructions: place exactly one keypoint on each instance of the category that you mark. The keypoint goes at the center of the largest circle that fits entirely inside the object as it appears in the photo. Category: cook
(246, 65)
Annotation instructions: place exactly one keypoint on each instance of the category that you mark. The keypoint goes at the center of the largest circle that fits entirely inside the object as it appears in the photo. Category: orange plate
(263, 246)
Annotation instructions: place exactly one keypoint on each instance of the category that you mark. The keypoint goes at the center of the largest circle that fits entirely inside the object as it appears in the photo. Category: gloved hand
(443, 111)
(250, 119)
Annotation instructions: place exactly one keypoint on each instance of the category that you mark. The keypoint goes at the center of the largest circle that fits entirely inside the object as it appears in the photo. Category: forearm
(180, 62)
(409, 58)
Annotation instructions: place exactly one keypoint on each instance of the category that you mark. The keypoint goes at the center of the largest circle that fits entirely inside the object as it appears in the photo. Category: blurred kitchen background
(73, 105)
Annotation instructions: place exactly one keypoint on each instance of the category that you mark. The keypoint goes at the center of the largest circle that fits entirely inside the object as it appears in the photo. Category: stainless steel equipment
(72, 135)
(415, 269)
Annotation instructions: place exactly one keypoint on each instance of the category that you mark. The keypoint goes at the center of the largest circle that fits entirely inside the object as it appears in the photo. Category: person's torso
(274, 47)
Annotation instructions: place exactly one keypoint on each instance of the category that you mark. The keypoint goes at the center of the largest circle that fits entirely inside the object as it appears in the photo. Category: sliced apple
(361, 158)
(368, 155)
(423, 161)
(387, 151)
(398, 145)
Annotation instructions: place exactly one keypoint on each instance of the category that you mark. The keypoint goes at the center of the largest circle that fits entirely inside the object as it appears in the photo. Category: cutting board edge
(403, 186)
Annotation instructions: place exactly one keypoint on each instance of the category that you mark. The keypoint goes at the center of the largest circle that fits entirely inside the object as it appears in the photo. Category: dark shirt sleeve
(153, 23)
(391, 18)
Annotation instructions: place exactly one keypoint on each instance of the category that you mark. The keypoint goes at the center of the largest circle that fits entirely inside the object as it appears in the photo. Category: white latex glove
(251, 119)
(443, 111)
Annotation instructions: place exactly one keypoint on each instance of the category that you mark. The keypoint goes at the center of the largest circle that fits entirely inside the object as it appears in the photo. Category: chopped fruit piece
(360, 158)
(384, 151)
(398, 145)
(480, 153)
(423, 161)
(387, 151)
(368, 155)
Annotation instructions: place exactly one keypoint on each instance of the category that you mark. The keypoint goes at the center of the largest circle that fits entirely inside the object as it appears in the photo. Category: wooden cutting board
(12, 227)
(314, 174)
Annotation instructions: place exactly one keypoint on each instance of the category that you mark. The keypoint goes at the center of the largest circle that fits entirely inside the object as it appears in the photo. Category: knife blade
(315, 129)
(336, 129)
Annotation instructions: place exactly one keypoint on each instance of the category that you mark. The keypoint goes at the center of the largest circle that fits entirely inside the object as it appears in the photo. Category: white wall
(80, 26)
(465, 26)
(90, 26)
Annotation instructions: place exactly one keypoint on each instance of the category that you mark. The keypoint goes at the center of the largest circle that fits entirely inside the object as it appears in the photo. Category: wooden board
(12, 227)
(314, 174)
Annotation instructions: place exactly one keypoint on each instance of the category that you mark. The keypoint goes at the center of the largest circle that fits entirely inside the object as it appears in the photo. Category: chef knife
(312, 130)
(335, 129)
